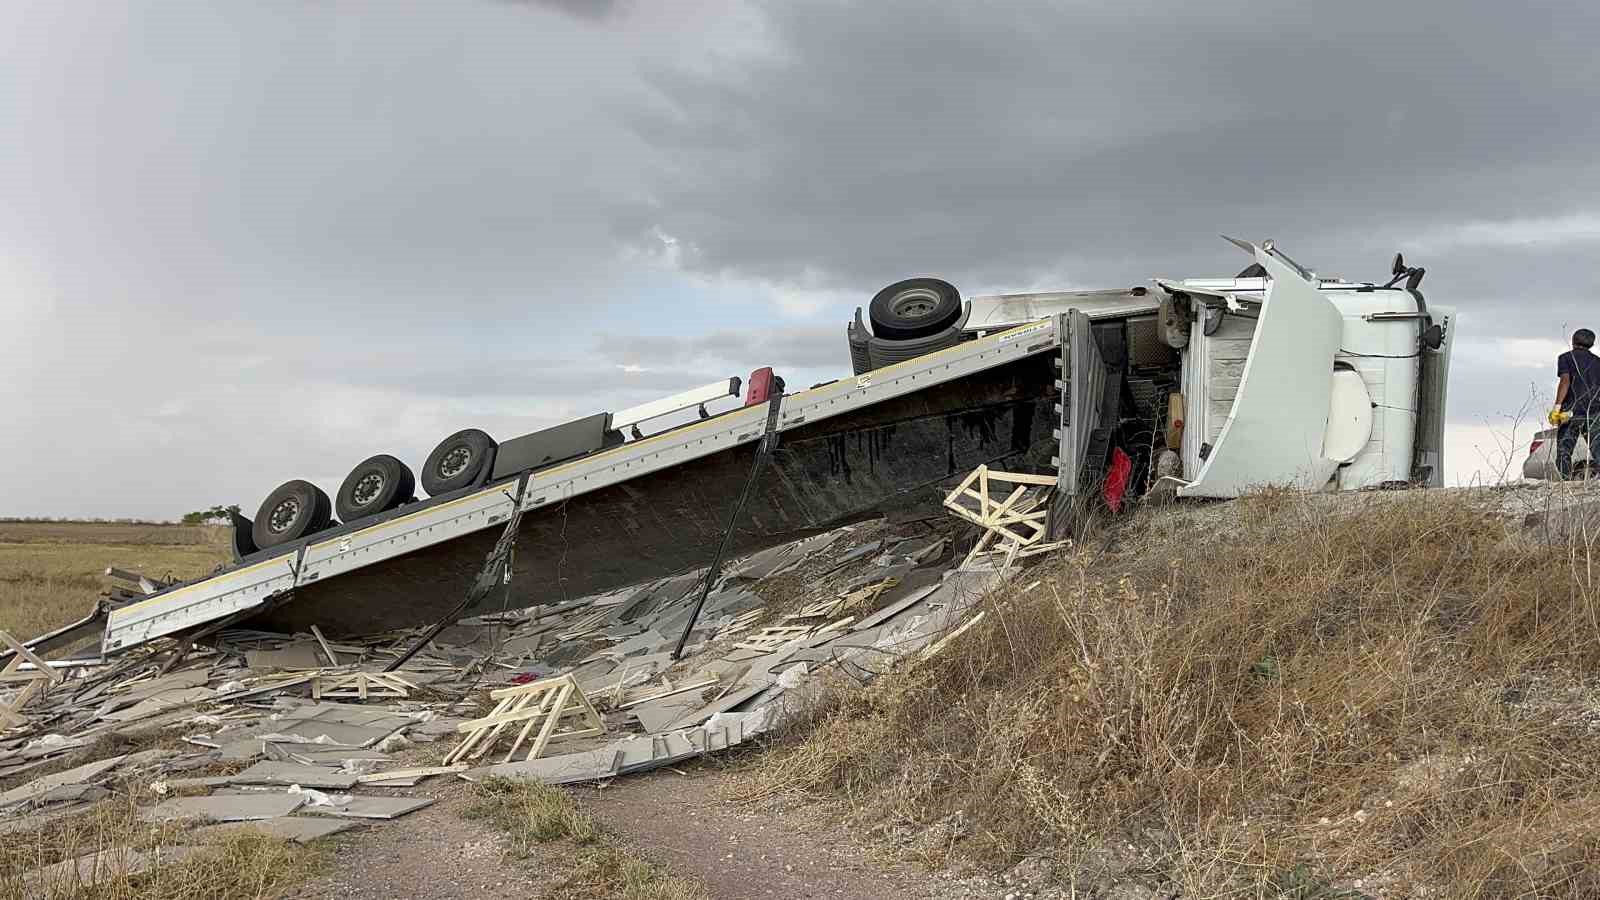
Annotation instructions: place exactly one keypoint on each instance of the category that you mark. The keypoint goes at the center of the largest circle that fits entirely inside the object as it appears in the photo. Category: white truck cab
(1287, 378)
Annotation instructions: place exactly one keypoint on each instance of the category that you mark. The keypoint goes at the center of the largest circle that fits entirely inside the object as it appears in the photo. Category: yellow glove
(1559, 417)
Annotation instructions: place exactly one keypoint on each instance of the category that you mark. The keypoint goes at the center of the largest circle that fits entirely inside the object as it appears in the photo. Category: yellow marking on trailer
(189, 587)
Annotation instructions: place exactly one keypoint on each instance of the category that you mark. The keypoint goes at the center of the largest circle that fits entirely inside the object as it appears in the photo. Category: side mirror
(1399, 267)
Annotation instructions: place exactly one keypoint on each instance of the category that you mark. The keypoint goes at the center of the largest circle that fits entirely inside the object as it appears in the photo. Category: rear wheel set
(377, 485)
(461, 460)
(298, 508)
(292, 511)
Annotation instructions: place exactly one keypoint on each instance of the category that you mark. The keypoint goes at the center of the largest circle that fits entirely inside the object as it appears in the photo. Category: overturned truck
(1199, 387)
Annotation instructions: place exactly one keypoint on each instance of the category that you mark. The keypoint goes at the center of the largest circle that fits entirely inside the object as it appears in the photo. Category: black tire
(457, 462)
(376, 485)
(293, 510)
(914, 308)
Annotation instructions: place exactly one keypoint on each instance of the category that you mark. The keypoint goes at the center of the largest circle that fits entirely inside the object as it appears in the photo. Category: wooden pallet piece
(670, 692)
(772, 637)
(333, 658)
(360, 685)
(543, 704)
(33, 683)
(1010, 526)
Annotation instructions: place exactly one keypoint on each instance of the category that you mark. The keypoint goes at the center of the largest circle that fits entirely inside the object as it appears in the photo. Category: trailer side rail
(231, 592)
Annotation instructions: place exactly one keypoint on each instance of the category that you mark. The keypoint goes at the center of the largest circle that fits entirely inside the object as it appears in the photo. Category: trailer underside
(883, 458)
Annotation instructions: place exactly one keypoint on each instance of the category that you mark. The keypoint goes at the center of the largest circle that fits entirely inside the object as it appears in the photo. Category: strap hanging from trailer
(496, 571)
(769, 442)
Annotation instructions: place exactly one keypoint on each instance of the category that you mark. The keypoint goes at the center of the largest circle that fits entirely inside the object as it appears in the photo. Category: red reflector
(1534, 447)
(763, 386)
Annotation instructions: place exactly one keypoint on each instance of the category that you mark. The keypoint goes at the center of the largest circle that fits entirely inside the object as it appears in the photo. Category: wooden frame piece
(670, 692)
(774, 636)
(1017, 523)
(33, 683)
(360, 685)
(546, 701)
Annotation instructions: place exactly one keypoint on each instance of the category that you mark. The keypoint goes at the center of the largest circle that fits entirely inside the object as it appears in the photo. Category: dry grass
(610, 872)
(51, 572)
(242, 865)
(1400, 694)
(532, 814)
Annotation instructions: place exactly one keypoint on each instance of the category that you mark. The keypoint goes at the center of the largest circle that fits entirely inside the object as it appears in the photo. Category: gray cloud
(244, 243)
(585, 9)
(1052, 141)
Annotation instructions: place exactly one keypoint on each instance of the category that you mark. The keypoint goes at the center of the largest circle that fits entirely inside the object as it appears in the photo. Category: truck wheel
(295, 509)
(456, 462)
(914, 308)
(376, 485)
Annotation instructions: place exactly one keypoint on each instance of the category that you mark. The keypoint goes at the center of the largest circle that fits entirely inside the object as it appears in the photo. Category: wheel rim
(368, 488)
(914, 303)
(283, 515)
(455, 462)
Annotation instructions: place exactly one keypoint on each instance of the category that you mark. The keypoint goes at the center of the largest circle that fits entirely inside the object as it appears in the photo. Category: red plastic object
(1117, 479)
(763, 384)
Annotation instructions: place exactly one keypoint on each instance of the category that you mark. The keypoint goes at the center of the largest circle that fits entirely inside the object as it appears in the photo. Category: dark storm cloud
(586, 9)
(1108, 143)
(259, 241)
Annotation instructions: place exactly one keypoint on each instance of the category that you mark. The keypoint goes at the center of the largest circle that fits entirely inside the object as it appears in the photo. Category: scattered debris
(298, 736)
(547, 702)
(33, 682)
(360, 686)
(1013, 527)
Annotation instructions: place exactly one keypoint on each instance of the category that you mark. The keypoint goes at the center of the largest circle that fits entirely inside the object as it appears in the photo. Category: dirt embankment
(1390, 695)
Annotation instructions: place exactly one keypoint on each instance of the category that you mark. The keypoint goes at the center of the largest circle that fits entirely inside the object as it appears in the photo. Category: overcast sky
(244, 242)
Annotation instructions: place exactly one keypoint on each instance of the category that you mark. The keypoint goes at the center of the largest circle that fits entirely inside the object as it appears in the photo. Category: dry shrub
(241, 865)
(610, 872)
(1308, 688)
(531, 813)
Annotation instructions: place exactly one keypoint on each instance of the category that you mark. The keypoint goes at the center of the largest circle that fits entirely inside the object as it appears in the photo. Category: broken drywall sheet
(225, 807)
(590, 765)
(299, 829)
(83, 774)
(91, 869)
(373, 807)
(268, 772)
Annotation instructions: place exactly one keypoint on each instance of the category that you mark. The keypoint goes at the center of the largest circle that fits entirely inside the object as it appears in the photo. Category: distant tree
(206, 516)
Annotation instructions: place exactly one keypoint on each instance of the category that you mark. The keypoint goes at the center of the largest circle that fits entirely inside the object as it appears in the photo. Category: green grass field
(51, 572)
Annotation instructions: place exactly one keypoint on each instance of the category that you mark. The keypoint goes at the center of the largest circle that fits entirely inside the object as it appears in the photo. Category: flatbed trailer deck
(850, 448)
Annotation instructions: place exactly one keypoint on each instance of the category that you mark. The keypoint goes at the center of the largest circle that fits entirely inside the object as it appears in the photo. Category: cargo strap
(769, 443)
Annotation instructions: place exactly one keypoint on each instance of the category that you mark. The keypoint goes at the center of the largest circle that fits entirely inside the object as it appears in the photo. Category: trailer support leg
(769, 442)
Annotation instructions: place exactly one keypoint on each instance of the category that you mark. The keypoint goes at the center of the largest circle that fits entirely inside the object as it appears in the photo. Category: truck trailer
(1197, 388)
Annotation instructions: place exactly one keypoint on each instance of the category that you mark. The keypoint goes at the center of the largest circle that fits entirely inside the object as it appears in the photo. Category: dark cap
(1583, 337)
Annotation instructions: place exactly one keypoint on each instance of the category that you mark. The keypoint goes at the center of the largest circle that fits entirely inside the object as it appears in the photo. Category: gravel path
(741, 851)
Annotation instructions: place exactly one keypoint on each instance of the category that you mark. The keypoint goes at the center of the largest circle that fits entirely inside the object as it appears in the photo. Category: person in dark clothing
(1577, 399)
